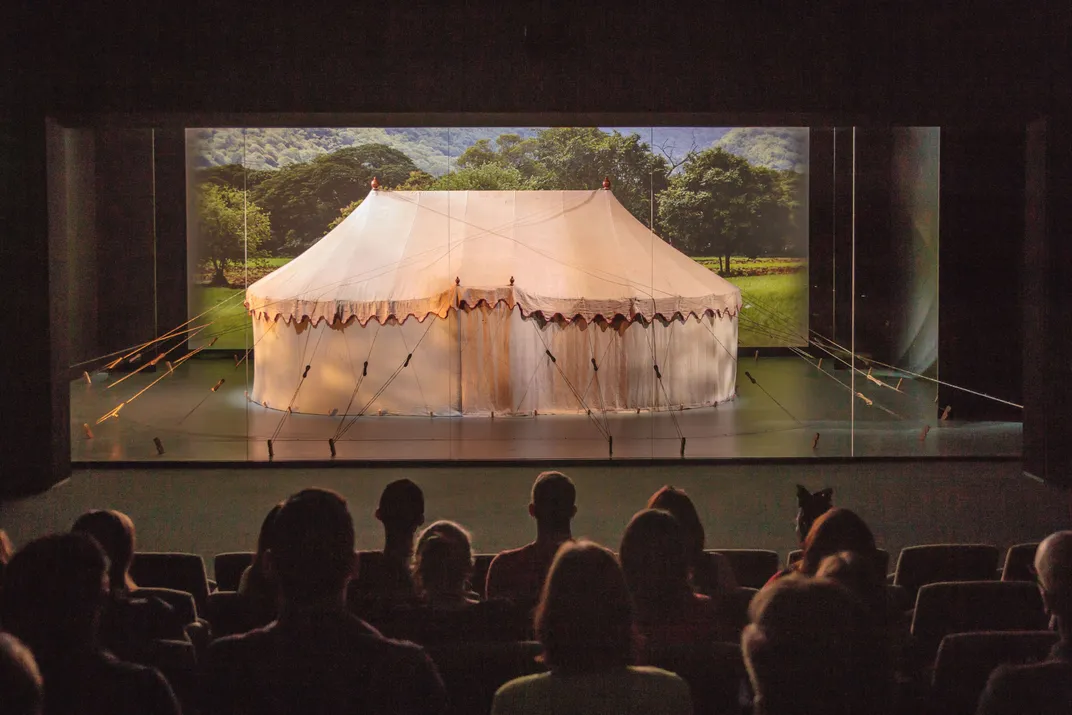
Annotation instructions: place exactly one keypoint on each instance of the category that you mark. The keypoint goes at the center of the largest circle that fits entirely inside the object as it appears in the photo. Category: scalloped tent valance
(558, 255)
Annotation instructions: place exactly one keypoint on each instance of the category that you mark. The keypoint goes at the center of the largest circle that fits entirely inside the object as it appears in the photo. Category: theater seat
(179, 571)
(934, 563)
(965, 661)
(183, 603)
(479, 580)
(751, 567)
(965, 606)
(715, 674)
(473, 671)
(1019, 563)
(229, 567)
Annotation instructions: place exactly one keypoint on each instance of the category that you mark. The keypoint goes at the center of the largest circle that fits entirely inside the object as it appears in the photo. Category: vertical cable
(653, 323)
(245, 278)
(852, 343)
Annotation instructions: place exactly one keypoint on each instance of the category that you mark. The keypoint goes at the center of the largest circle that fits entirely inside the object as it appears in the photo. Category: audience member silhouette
(316, 657)
(654, 557)
(835, 531)
(130, 621)
(519, 574)
(712, 573)
(1041, 688)
(807, 650)
(20, 680)
(442, 566)
(809, 508)
(584, 621)
(55, 590)
(257, 584)
(389, 572)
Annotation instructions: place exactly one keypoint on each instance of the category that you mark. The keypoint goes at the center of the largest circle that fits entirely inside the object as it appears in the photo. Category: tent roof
(559, 254)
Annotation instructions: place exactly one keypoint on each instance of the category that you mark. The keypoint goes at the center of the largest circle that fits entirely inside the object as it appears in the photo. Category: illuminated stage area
(777, 416)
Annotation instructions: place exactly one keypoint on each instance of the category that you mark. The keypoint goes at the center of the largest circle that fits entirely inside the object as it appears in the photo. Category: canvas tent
(480, 302)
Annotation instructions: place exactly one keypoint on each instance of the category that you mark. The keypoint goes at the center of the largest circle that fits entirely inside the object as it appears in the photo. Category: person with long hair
(443, 565)
(584, 620)
(711, 573)
(654, 557)
(835, 531)
(257, 584)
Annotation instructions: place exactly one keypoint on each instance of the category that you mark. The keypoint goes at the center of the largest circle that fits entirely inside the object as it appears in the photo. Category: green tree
(485, 177)
(230, 226)
(721, 205)
(417, 181)
(305, 198)
(235, 176)
(580, 157)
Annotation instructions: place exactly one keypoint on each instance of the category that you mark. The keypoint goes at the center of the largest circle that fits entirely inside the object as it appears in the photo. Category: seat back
(715, 674)
(965, 661)
(934, 563)
(229, 567)
(1019, 563)
(179, 571)
(182, 601)
(497, 620)
(473, 671)
(479, 580)
(751, 567)
(965, 606)
(229, 612)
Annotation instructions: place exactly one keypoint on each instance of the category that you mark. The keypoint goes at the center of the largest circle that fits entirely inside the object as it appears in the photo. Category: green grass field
(773, 307)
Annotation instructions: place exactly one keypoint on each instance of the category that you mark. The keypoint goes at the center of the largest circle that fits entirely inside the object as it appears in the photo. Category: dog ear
(803, 495)
(826, 495)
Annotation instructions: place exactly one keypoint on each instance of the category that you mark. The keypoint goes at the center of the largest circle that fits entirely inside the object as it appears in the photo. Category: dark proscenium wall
(126, 240)
(980, 329)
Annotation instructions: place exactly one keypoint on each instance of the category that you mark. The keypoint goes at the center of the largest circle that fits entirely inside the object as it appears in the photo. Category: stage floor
(778, 416)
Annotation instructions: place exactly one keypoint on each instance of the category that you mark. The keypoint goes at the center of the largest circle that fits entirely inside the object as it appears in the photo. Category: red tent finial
(375, 183)
(606, 183)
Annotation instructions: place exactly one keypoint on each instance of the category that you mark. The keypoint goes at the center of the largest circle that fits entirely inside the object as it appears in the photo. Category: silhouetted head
(267, 535)
(585, 616)
(654, 557)
(401, 506)
(677, 502)
(20, 680)
(114, 531)
(810, 507)
(1053, 568)
(54, 591)
(805, 647)
(443, 560)
(312, 555)
(554, 501)
(836, 530)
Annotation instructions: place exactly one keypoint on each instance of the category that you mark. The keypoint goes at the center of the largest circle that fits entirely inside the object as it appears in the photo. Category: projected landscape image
(733, 199)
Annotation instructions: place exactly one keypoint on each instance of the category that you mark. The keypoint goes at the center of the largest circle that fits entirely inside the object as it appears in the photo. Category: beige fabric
(479, 287)
(497, 362)
(568, 253)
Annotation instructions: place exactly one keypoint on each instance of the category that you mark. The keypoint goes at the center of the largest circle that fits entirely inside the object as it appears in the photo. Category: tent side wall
(494, 360)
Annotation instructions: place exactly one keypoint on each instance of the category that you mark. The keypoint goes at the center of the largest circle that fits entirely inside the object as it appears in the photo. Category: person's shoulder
(250, 642)
(522, 687)
(513, 555)
(1011, 687)
(653, 674)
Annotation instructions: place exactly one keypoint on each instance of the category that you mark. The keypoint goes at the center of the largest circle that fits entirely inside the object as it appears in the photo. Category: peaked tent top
(560, 254)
